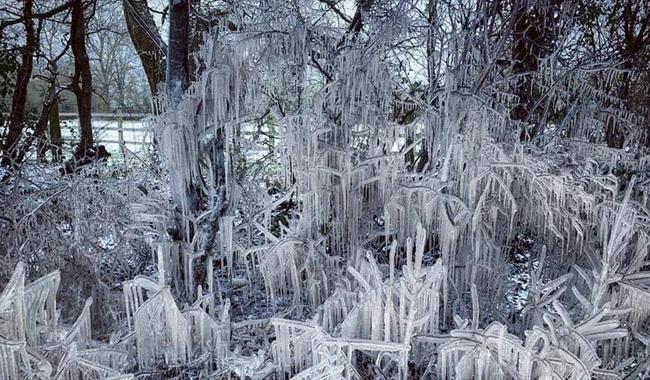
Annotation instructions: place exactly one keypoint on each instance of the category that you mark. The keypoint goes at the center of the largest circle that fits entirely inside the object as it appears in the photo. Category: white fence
(119, 133)
(125, 134)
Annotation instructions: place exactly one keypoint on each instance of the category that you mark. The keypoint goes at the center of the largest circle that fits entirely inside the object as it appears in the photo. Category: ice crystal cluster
(386, 249)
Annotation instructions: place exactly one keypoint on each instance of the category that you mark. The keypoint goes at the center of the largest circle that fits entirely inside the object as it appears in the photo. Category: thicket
(451, 211)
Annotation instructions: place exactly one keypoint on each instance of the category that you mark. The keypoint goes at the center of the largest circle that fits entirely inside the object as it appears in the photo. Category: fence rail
(105, 116)
(115, 122)
(125, 132)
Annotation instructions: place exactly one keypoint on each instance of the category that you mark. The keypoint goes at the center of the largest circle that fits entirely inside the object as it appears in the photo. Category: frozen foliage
(36, 345)
(380, 236)
(41, 347)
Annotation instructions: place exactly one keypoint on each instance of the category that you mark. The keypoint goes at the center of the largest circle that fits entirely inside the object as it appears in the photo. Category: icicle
(80, 331)
(475, 309)
(227, 241)
(12, 304)
(40, 306)
(162, 259)
(9, 365)
(162, 333)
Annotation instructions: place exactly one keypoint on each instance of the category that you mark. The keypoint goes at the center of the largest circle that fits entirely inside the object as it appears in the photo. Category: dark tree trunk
(525, 53)
(82, 81)
(40, 128)
(19, 100)
(147, 41)
(533, 40)
(632, 49)
(55, 132)
(177, 76)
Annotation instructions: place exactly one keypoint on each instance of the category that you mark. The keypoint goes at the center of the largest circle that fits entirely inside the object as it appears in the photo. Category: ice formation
(361, 265)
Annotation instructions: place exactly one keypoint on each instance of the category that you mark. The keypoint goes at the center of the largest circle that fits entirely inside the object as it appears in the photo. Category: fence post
(120, 133)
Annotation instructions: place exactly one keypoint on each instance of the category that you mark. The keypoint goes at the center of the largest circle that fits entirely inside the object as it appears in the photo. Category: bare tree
(116, 68)
(147, 41)
(17, 116)
(82, 85)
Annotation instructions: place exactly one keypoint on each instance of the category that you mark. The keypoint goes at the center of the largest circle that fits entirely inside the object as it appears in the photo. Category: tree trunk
(177, 76)
(177, 81)
(534, 33)
(82, 81)
(146, 40)
(40, 128)
(631, 49)
(532, 41)
(524, 61)
(19, 100)
(55, 132)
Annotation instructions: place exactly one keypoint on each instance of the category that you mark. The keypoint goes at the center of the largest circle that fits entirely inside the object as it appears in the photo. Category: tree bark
(147, 41)
(524, 60)
(177, 79)
(177, 76)
(533, 40)
(40, 128)
(82, 81)
(19, 99)
(55, 132)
